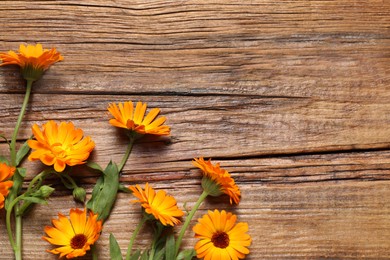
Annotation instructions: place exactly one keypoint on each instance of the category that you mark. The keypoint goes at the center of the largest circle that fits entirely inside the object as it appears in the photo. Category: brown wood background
(292, 97)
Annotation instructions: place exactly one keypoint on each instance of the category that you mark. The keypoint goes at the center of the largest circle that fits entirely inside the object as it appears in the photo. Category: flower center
(78, 241)
(59, 150)
(220, 239)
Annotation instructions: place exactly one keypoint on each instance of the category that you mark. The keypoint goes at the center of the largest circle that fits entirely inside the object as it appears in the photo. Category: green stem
(135, 233)
(153, 247)
(18, 123)
(18, 180)
(40, 178)
(71, 184)
(18, 231)
(8, 221)
(188, 220)
(94, 253)
(32, 188)
(127, 154)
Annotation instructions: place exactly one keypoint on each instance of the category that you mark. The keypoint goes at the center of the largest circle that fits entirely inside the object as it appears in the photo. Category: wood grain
(292, 97)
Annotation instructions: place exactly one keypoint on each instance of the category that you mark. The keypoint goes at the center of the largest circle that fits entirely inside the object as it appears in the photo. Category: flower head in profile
(74, 235)
(6, 172)
(128, 117)
(60, 145)
(162, 206)
(217, 180)
(33, 60)
(220, 236)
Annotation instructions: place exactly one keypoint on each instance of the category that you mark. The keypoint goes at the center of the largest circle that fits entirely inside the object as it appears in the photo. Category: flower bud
(43, 192)
(79, 194)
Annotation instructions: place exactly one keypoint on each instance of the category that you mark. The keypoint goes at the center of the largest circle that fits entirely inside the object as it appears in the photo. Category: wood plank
(219, 126)
(340, 213)
(323, 49)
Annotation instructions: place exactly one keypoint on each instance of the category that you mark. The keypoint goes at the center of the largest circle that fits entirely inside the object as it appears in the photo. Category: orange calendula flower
(220, 236)
(32, 60)
(125, 116)
(74, 235)
(6, 172)
(162, 206)
(60, 145)
(214, 174)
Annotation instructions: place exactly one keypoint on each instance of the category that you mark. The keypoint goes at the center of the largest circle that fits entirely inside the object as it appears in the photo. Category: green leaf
(94, 166)
(18, 179)
(35, 200)
(4, 160)
(144, 255)
(96, 190)
(186, 254)
(22, 172)
(115, 251)
(159, 255)
(170, 247)
(105, 193)
(136, 255)
(23, 151)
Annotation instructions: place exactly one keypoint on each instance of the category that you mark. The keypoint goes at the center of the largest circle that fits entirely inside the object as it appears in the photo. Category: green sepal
(211, 187)
(186, 254)
(105, 191)
(170, 247)
(22, 152)
(115, 251)
(3, 159)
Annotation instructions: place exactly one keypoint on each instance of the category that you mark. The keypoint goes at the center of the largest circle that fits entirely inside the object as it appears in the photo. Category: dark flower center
(220, 239)
(78, 241)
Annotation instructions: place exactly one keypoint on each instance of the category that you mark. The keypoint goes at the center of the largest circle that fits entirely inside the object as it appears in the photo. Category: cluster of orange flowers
(61, 146)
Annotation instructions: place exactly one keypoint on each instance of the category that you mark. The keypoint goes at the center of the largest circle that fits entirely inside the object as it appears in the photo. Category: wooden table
(291, 97)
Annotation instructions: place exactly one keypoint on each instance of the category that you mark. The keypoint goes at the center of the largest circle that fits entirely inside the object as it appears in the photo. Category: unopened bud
(43, 192)
(79, 194)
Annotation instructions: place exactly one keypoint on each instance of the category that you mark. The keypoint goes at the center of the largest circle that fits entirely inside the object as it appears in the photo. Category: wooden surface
(292, 97)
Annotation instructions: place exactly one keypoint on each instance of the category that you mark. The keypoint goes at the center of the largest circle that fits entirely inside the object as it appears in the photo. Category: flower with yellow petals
(220, 237)
(214, 174)
(6, 172)
(125, 116)
(60, 145)
(32, 60)
(162, 206)
(75, 235)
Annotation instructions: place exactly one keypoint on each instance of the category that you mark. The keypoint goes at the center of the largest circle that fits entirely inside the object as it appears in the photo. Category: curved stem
(188, 220)
(127, 154)
(39, 177)
(71, 184)
(16, 130)
(8, 221)
(32, 187)
(135, 233)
